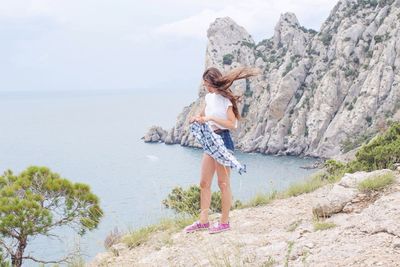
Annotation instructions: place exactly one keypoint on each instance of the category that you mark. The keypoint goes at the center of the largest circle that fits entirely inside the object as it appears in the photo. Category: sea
(94, 137)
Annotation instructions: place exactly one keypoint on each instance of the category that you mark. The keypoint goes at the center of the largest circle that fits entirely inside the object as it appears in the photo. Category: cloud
(64, 44)
(257, 16)
(29, 8)
(193, 27)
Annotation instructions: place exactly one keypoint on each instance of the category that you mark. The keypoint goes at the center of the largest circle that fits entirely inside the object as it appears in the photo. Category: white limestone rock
(318, 89)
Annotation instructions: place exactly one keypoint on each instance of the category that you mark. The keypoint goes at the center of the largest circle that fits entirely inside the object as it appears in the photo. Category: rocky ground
(365, 231)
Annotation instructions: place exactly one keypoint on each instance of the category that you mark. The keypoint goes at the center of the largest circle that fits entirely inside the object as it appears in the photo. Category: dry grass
(314, 182)
(376, 183)
(321, 225)
(140, 236)
(260, 200)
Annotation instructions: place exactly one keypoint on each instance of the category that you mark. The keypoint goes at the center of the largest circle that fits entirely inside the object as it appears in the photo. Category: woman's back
(217, 106)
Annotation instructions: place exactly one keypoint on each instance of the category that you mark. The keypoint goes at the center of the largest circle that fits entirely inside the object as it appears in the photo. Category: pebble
(310, 245)
(396, 244)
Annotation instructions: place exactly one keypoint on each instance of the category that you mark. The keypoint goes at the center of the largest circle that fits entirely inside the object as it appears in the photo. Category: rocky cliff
(319, 90)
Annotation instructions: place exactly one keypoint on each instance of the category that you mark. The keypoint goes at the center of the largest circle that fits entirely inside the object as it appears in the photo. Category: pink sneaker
(219, 227)
(197, 226)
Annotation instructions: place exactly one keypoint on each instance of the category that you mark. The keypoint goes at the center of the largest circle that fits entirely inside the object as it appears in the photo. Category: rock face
(283, 233)
(155, 134)
(318, 90)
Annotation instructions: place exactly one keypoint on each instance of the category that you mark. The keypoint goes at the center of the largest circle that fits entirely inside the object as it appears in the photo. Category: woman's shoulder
(221, 97)
(226, 100)
(218, 97)
(211, 95)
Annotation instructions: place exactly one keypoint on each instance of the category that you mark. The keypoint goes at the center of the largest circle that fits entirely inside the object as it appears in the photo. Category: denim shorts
(226, 137)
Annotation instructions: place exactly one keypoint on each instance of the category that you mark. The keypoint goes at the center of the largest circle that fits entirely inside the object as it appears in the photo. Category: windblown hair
(222, 83)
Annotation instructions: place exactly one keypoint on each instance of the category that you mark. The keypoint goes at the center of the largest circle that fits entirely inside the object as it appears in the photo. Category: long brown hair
(222, 83)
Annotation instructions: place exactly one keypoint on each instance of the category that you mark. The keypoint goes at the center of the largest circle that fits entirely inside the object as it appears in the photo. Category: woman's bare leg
(207, 173)
(224, 184)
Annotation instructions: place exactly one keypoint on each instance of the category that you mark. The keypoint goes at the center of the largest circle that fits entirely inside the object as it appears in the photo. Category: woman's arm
(229, 123)
(202, 113)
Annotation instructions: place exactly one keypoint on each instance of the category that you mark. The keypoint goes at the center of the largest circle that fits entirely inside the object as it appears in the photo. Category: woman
(222, 114)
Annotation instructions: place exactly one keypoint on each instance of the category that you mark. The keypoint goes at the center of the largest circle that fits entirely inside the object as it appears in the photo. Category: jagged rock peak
(227, 27)
(288, 31)
(289, 19)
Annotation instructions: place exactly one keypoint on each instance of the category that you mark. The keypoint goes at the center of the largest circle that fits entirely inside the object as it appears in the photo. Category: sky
(63, 45)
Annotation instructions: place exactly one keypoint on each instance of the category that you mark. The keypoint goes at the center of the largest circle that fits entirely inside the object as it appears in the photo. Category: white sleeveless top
(217, 106)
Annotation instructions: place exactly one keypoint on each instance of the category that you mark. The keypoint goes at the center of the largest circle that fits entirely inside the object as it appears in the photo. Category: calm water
(94, 137)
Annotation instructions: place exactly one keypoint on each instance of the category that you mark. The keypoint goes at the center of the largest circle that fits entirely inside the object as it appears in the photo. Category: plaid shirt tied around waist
(214, 146)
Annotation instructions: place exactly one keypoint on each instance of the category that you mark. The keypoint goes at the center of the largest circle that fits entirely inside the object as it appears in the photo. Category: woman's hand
(201, 119)
(208, 118)
(197, 118)
(192, 119)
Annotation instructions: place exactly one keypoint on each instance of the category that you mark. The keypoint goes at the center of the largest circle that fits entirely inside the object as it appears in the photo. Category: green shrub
(245, 110)
(298, 94)
(188, 201)
(288, 68)
(350, 106)
(369, 120)
(382, 151)
(376, 183)
(248, 92)
(372, 3)
(227, 59)
(378, 38)
(271, 59)
(379, 153)
(383, 3)
(3, 261)
(248, 44)
(311, 31)
(353, 142)
(350, 72)
(326, 38)
(306, 127)
(332, 166)
(261, 55)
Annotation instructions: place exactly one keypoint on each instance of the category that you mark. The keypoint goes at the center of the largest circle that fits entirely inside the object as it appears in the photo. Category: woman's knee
(205, 184)
(223, 185)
